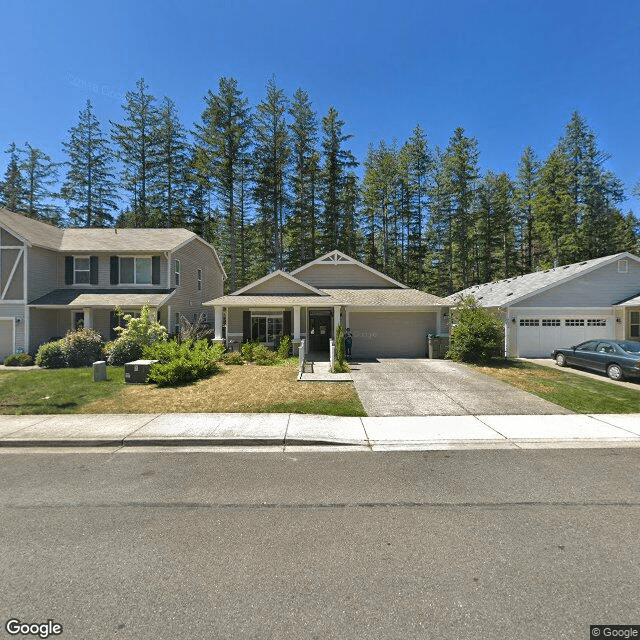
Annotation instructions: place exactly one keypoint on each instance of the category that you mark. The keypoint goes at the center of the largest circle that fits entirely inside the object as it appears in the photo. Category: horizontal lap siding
(342, 276)
(279, 285)
(45, 272)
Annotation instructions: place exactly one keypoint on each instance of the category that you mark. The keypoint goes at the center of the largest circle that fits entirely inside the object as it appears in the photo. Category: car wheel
(561, 361)
(614, 371)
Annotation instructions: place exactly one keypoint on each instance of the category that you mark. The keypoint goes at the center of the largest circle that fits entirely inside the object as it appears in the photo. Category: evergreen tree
(137, 148)
(271, 159)
(336, 160)
(525, 193)
(349, 238)
(40, 175)
(89, 188)
(12, 188)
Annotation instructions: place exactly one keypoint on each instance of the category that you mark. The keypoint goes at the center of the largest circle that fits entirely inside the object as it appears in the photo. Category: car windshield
(630, 347)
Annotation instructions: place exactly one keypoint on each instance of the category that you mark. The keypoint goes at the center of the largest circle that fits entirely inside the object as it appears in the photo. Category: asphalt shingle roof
(103, 298)
(505, 292)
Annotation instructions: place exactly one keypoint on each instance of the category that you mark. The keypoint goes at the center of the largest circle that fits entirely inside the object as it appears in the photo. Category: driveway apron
(420, 387)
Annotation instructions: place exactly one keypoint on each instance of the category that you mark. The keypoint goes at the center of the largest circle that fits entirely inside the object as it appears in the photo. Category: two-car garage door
(390, 334)
(538, 337)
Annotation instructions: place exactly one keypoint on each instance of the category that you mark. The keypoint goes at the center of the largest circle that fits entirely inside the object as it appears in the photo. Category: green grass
(320, 407)
(55, 390)
(569, 390)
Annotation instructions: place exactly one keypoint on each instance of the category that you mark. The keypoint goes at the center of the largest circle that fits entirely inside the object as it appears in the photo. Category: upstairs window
(177, 272)
(135, 270)
(81, 270)
(199, 279)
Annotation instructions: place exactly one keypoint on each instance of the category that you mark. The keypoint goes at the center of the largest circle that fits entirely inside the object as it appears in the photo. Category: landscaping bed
(569, 390)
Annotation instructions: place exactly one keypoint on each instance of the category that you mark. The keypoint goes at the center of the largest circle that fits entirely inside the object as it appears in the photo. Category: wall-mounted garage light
(513, 320)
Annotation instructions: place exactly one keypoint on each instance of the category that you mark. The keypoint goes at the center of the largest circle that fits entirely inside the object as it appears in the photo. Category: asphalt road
(443, 544)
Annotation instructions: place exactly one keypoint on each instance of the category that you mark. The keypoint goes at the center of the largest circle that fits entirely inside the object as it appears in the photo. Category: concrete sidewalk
(283, 430)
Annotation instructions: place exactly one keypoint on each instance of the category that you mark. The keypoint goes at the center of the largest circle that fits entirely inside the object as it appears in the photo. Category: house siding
(279, 285)
(44, 272)
(43, 325)
(342, 276)
(8, 259)
(8, 311)
(599, 288)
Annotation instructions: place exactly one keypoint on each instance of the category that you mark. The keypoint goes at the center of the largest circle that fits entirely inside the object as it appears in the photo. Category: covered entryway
(7, 337)
(319, 331)
(390, 334)
(538, 337)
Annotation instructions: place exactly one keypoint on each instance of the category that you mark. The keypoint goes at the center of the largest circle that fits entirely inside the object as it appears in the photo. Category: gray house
(53, 280)
(566, 305)
(387, 318)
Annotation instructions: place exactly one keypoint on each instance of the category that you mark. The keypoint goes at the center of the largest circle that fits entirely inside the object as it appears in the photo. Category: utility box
(137, 372)
(437, 346)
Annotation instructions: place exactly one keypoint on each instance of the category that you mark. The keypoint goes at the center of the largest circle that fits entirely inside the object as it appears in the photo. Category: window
(551, 322)
(135, 270)
(623, 266)
(574, 322)
(529, 322)
(588, 346)
(177, 271)
(199, 279)
(82, 270)
(266, 327)
(634, 324)
(596, 322)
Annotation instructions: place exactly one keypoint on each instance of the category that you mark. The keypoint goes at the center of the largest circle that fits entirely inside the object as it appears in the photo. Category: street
(432, 544)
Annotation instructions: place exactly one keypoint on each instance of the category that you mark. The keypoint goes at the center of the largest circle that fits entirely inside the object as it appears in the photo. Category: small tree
(340, 364)
(477, 333)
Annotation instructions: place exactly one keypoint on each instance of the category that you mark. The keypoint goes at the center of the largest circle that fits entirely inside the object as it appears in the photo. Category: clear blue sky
(510, 73)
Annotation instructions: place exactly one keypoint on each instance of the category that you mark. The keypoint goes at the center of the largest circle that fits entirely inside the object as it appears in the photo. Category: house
(53, 280)
(566, 305)
(387, 319)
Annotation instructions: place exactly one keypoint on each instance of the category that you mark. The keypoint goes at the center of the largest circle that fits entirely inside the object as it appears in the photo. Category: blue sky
(510, 73)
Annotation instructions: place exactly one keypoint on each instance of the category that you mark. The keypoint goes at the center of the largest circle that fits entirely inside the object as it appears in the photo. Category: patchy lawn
(55, 390)
(569, 390)
(237, 389)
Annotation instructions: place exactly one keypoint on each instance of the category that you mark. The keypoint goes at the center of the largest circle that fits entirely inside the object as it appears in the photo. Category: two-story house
(53, 280)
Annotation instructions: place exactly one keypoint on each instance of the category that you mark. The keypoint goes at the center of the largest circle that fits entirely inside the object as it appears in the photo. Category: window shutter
(155, 270)
(286, 323)
(115, 270)
(246, 326)
(93, 270)
(68, 270)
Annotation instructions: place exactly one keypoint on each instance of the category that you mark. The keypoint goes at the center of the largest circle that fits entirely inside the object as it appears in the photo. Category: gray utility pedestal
(137, 371)
(99, 371)
(437, 346)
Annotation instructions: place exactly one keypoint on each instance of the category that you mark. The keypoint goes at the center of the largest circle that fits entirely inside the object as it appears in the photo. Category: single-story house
(386, 318)
(566, 305)
(53, 280)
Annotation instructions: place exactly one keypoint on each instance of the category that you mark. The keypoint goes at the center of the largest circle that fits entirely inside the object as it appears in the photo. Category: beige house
(564, 306)
(53, 280)
(386, 318)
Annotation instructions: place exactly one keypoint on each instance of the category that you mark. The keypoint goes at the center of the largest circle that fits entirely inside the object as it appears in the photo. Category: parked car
(617, 358)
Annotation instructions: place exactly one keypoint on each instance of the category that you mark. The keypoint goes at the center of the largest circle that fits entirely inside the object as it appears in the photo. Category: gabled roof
(503, 293)
(337, 258)
(32, 231)
(280, 274)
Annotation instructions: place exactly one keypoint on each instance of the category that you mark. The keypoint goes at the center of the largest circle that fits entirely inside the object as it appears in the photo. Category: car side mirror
(574, 347)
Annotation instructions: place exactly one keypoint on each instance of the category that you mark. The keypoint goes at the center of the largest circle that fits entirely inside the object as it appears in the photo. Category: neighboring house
(386, 318)
(566, 305)
(53, 280)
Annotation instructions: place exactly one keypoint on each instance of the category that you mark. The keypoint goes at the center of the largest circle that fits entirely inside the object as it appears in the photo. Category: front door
(319, 332)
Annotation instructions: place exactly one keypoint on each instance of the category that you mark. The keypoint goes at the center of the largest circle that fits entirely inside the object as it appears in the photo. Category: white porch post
(88, 319)
(439, 321)
(218, 324)
(336, 320)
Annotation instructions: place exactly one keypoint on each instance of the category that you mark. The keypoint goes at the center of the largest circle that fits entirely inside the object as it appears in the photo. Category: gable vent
(623, 266)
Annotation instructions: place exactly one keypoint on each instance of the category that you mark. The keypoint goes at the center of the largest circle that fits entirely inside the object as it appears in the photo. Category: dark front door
(319, 332)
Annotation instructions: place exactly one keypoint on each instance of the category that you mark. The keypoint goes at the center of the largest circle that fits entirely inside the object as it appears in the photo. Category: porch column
(88, 319)
(336, 320)
(218, 324)
(296, 324)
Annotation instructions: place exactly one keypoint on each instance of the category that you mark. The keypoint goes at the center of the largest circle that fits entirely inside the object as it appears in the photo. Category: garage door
(538, 337)
(6, 338)
(390, 335)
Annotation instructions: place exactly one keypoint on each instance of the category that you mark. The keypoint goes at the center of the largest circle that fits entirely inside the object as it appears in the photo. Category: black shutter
(246, 326)
(155, 270)
(68, 270)
(93, 269)
(286, 323)
(115, 270)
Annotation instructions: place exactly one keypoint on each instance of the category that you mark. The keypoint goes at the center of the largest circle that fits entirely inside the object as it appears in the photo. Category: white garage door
(538, 337)
(390, 335)
(6, 338)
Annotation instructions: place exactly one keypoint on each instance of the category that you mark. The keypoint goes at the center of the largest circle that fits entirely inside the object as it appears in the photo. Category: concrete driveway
(422, 387)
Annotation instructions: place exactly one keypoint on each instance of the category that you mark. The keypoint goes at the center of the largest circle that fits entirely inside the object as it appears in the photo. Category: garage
(390, 334)
(538, 337)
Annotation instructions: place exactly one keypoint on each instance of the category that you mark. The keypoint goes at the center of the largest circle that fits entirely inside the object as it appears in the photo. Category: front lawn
(236, 389)
(569, 390)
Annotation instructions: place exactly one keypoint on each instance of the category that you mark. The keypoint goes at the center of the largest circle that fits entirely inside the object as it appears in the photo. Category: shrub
(182, 362)
(18, 360)
(477, 333)
(82, 348)
(340, 363)
(119, 352)
(247, 350)
(263, 355)
(51, 355)
(134, 337)
(233, 358)
(284, 347)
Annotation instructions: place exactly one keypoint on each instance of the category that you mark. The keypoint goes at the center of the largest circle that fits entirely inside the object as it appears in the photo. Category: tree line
(275, 185)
